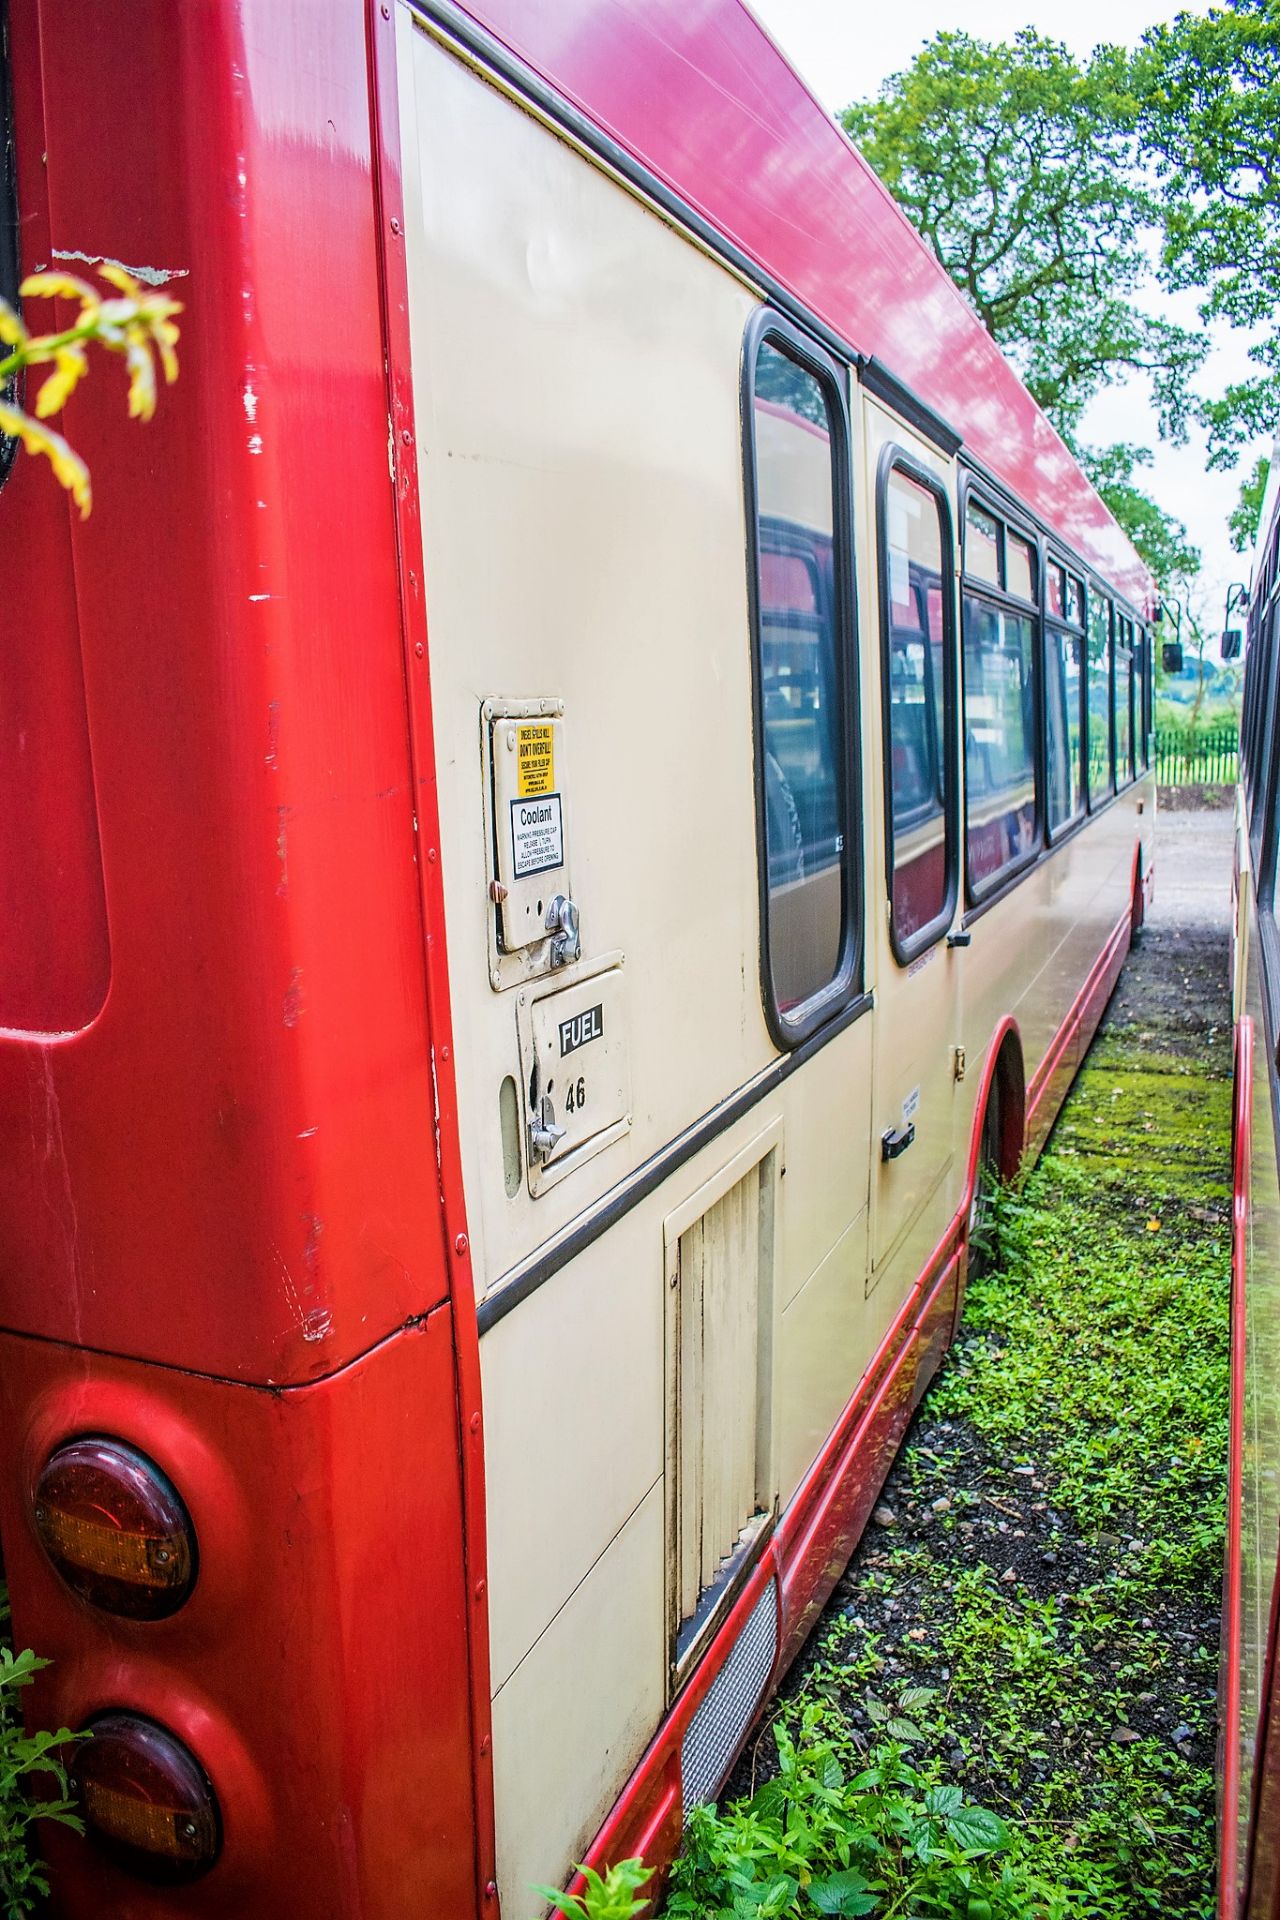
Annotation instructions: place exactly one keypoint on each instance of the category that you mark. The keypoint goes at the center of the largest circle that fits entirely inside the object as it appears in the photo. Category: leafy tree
(1204, 97)
(1017, 166)
(1159, 538)
(1248, 508)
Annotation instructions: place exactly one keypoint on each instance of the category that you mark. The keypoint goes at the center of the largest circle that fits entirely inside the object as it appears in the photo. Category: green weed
(1061, 1710)
(24, 1764)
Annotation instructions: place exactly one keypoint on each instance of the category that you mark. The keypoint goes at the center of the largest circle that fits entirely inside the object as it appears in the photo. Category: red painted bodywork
(1053, 1077)
(229, 1155)
(315, 1669)
(1232, 1617)
(264, 1206)
(231, 1208)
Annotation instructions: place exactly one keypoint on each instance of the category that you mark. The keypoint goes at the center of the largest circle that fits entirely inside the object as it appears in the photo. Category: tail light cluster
(145, 1798)
(116, 1529)
(118, 1533)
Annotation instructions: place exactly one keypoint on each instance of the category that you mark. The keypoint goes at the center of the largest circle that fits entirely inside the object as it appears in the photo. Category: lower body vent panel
(717, 1728)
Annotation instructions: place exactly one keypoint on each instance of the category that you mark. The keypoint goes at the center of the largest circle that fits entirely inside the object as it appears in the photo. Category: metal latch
(544, 1135)
(962, 938)
(562, 924)
(895, 1141)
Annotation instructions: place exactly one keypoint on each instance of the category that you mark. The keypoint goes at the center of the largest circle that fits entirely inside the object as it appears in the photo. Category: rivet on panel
(475, 1423)
(444, 1053)
(406, 436)
(418, 648)
(490, 1889)
(479, 1589)
(460, 1244)
(395, 224)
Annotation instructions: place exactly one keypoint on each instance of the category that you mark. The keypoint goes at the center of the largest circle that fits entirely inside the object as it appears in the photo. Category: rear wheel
(986, 1180)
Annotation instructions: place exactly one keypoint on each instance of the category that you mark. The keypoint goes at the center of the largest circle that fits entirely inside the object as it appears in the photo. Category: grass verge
(1008, 1709)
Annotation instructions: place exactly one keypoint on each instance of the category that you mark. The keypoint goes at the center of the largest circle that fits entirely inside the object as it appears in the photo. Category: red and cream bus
(584, 775)
(1249, 1742)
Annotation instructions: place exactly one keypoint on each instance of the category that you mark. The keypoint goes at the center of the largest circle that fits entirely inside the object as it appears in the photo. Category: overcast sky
(845, 48)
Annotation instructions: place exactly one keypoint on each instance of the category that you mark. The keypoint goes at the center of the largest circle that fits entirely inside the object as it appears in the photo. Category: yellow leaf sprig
(135, 322)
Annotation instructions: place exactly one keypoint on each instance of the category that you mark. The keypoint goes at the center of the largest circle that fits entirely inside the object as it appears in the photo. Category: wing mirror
(1171, 656)
(1232, 643)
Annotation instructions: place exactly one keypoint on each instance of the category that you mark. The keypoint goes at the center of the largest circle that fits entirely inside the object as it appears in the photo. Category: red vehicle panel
(331, 1715)
(268, 1206)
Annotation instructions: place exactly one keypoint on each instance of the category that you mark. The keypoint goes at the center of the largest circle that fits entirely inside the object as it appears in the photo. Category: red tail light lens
(145, 1799)
(116, 1528)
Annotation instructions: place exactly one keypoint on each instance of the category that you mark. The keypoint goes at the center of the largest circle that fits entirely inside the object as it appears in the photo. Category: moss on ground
(1032, 1622)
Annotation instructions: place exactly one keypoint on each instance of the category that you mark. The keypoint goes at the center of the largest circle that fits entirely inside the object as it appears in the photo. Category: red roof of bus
(697, 91)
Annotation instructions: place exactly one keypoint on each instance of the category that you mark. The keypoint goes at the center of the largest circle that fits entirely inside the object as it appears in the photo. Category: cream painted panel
(574, 1398)
(917, 1012)
(826, 1340)
(582, 1357)
(827, 1152)
(1081, 891)
(575, 1716)
(576, 379)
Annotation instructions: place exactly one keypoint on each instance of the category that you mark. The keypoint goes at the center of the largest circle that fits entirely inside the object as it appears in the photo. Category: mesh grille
(736, 1692)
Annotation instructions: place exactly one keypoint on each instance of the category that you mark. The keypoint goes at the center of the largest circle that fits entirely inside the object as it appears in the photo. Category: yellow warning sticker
(536, 759)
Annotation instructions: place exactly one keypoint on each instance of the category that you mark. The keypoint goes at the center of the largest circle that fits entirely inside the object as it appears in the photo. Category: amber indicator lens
(145, 1799)
(115, 1528)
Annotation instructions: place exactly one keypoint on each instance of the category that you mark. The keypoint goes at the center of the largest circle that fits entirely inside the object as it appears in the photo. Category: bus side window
(919, 673)
(804, 733)
(1063, 694)
(999, 700)
(1122, 696)
(1101, 771)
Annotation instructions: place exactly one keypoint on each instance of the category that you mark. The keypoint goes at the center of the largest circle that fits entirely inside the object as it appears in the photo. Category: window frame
(1122, 618)
(1025, 529)
(895, 458)
(1095, 591)
(768, 327)
(1054, 624)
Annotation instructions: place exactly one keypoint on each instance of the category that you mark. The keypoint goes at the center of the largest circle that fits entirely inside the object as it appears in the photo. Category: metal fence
(1184, 758)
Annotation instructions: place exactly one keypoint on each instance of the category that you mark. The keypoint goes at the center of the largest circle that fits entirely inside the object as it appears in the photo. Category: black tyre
(983, 1236)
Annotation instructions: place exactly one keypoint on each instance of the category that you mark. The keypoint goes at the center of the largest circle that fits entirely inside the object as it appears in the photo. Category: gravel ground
(1193, 872)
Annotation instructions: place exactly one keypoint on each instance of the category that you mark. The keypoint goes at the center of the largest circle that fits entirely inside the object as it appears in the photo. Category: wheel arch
(1003, 1071)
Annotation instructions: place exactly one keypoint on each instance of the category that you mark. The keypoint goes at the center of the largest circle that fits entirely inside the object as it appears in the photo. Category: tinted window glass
(1055, 591)
(981, 544)
(916, 695)
(1122, 687)
(804, 749)
(1075, 602)
(1144, 700)
(1064, 735)
(1100, 781)
(999, 734)
(1020, 567)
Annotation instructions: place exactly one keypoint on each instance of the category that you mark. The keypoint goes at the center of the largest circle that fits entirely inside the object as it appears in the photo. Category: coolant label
(537, 835)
